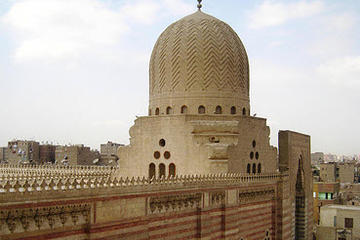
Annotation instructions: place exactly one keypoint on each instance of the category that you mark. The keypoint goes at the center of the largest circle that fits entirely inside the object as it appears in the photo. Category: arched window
(248, 168)
(259, 168)
(184, 109)
(254, 168)
(244, 111)
(169, 110)
(233, 110)
(218, 110)
(172, 170)
(201, 109)
(157, 111)
(161, 170)
(152, 170)
(149, 112)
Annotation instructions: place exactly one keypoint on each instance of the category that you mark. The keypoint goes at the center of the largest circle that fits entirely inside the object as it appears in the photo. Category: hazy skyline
(77, 71)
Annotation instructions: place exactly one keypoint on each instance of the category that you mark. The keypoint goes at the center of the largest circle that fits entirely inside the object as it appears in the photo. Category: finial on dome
(199, 5)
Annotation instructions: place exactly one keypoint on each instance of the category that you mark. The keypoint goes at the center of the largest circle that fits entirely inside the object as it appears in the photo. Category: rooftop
(343, 207)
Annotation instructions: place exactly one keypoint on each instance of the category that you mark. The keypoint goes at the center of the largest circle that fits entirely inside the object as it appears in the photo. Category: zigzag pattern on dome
(199, 53)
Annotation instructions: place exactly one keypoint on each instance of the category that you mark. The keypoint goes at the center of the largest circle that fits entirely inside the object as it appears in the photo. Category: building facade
(23, 152)
(325, 193)
(341, 172)
(339, 222)
(4, 154)
(317, 158)
(47, 153)
(75, 155)
(109, 148)
(346, 172)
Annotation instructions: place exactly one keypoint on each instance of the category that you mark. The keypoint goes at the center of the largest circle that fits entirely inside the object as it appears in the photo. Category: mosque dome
(198, 61)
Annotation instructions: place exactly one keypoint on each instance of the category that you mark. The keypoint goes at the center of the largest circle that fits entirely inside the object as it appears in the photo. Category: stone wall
(227, 206)
(198, 144)
(294, 156)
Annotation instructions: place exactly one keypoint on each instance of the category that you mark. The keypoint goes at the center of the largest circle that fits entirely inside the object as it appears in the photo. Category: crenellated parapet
(59, 187)
(10, 171)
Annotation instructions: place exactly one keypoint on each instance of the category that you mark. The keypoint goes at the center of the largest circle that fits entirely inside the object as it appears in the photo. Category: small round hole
(162, 142)
(254, 143)
(167, 155)
(257, 155)
(157, 155)
(252, 155)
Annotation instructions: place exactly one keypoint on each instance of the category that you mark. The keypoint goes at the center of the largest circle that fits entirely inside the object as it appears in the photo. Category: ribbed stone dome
(198, 60)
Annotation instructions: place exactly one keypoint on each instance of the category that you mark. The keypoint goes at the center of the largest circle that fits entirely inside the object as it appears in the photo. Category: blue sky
(77, 71)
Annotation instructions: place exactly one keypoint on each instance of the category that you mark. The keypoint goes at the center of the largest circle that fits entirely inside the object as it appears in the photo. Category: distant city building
(110, 148)
(333, 172)
(23, 152)
(357, 172)
(328, 172)
(76, 155)
(339, 222)
(324, 194)
(4, 154)
(350, 194)
(47, 154)
(346, 172)
(317, 158)
(108, 153)
(330, 158)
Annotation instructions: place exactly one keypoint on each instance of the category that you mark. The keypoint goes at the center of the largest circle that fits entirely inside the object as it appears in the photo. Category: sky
(76, 71)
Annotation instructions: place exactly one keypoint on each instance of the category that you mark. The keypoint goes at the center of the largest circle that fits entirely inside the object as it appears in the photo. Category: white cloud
(65, 29)
(272, 13)
(334, 36)
(340, 22)
(178, 7)
(57, 28)
(148, 11)
(144, 12)
(342, 71)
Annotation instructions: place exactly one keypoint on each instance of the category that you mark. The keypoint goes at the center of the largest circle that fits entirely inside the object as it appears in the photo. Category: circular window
(167, 155)
(254, 143)
(252, 155)
(157, 155)
(162, 142)
(257, 155)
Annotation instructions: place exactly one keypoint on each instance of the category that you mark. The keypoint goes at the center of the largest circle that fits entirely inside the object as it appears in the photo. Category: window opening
(169, 110)
(172, 170)
(218, 110)
(201, 109)
(161, 170)
(152, 170)
(167, 155)
(162, 142)
(184, 109)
